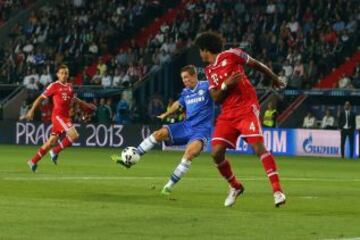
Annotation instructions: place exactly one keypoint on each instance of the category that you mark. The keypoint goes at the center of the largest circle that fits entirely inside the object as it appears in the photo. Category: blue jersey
(198, 104)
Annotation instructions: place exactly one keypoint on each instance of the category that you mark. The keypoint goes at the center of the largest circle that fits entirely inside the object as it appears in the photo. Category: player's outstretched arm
(276, 81)
(174, 107)
(84, 105)
(30, 114)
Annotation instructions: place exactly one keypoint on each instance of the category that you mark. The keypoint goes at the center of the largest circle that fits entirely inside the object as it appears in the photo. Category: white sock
(147, 144)
(179, 172)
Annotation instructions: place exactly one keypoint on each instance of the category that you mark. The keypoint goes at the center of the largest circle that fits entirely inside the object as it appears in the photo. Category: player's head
(347, 105)
(62, 73)
(210, 44)
(189, 76)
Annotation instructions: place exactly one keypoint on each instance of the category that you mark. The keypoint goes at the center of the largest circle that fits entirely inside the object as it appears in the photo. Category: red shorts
(60, 125)
(227, 130)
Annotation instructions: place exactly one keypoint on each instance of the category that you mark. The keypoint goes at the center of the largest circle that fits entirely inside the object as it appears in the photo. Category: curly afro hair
(210, 41)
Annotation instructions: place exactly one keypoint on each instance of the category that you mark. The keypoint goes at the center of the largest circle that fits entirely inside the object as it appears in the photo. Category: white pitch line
(108, 178)
(356, 238)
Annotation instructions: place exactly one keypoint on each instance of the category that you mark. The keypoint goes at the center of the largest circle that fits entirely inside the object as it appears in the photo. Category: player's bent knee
(258, 148)
(218, 153)
(73, 135)
(161, 135)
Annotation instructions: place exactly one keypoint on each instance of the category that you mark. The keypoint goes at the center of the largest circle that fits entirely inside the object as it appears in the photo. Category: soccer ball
(130, 156)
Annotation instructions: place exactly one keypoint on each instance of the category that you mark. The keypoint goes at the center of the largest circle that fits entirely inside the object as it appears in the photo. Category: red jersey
(62, 95)
(242, 98)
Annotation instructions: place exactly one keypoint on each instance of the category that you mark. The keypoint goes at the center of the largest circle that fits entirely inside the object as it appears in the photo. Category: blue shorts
(182, 133)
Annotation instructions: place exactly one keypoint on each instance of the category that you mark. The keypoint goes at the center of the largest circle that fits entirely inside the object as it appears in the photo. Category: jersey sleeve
(239, 56)
(49, 91)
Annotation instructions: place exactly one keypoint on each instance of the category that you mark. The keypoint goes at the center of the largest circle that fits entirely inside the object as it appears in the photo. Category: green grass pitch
(88, 197)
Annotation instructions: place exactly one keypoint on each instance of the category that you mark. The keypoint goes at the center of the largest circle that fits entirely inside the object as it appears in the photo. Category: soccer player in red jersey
(240, 110)
(63, 98)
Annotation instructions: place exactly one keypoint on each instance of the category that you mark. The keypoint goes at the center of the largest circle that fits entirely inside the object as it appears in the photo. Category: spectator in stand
(118, 78)
(101, 67)
(347, 127)
(356, 80)
(328, 121)
(109, 106)
(96, 79)
(300, 29)
(45, 78)
(345, 82)
(309, 121)
(299, 67)
(155, 108)
(295, 81)
(23, 110)
(10, 8)
(27, 77)
(282, 76)
(86, 79)
(134, 72)
(122, 112)
(103, 115)
(106, 80)
(164, 57)
(288, 69)
(269, 118)
(135, 114)
(32, 85)
(310, 74)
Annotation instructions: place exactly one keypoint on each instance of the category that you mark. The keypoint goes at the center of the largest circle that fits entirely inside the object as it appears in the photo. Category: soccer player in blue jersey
(194, 131)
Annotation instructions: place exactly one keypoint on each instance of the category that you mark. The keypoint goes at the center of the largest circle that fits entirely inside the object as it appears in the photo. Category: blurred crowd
(300, 40)
(109, 110)
(9, 8)
(350, 81)
(77, 33)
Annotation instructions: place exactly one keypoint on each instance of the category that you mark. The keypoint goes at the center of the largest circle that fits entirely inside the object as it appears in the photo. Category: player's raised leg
(33, 163)
(71, 136)
(151, 141)
(269, 164)
(192, 150)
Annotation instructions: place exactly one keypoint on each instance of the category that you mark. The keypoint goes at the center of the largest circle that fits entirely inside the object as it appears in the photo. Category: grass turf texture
(89, 197)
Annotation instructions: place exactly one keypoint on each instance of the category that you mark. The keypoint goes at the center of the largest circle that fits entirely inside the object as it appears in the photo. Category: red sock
(66, 142)
(269, 164)
(225, 170)
(38, 155)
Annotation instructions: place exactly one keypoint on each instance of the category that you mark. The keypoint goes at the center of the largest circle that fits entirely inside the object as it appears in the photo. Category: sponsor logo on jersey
(195, 100)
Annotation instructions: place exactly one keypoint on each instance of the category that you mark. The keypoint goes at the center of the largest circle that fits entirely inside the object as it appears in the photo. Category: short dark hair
(210, 41)
(191, 69)
(62, 66)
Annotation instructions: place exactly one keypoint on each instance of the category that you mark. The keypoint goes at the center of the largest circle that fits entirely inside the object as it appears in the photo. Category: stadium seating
(10, 8)
(76, 35)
